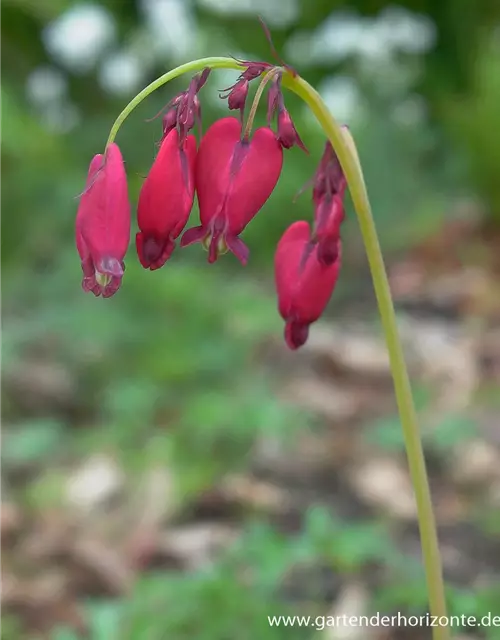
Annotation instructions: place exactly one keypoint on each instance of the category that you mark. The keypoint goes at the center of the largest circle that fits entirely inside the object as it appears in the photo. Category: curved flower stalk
(230, 159)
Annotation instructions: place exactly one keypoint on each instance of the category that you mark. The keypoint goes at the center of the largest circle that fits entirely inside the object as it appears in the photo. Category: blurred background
(169, 469)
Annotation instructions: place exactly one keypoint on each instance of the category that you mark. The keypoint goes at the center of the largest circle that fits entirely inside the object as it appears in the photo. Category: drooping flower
(165, 200)
(304, 285)
(234, 178)
(103, 224)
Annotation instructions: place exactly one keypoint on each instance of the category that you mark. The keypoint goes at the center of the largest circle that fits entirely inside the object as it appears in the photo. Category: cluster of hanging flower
(233, 173)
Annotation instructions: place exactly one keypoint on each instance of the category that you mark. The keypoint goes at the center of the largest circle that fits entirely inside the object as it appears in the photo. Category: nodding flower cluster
(233, 172)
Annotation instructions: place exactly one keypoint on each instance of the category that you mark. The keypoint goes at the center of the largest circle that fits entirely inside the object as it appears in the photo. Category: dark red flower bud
(170, 119)
(238, 95)
(103, 224)
(303, 284)
(329, 177)
(287, 133)
(274, 99)
(234, 178)
(238, 92)
(165, 200)
(328, 217)
(201, 78)
(253, 69)
(184, 110)
(188, 114)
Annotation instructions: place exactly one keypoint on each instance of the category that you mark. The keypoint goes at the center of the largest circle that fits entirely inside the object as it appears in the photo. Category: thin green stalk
(258, 95)
(346, 152)
(416, 460)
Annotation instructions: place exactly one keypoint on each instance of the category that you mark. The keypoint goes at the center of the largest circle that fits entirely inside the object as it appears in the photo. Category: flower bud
(184, 110)
(287, 133)
(169, 121)
(329, 177)
(254, 69)
(236, 98)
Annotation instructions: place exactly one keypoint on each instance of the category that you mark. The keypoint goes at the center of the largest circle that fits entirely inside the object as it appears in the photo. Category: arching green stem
(346, 152)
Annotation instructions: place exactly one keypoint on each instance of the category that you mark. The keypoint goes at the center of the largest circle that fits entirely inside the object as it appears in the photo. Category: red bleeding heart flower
(103, 224)
(304, 285)
(165, 200)
(234, 178)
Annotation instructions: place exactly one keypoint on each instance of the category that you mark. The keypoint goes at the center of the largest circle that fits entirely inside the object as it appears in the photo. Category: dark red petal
(296, 334)
(152, 251)
(328, 251)
(110, 266)
(238, 248)
(111, 288)
(89, 284)
(195, 234)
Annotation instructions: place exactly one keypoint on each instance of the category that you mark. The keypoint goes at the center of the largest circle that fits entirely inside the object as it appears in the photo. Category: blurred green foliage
(243, 588)
(166, 372)
(473, 123)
